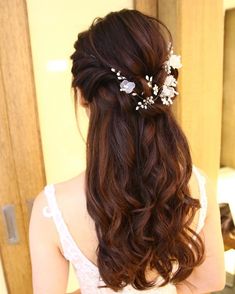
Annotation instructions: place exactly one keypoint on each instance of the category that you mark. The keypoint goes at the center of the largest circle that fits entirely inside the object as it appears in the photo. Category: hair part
(138, 163)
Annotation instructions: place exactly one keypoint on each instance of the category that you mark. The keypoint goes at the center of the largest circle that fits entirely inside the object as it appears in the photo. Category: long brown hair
(138, 162)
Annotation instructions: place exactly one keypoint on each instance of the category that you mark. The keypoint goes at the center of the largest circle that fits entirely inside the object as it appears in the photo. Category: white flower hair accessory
(168, 90)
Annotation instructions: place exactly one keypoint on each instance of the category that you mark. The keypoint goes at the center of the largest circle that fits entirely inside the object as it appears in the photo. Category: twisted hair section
(138, 163)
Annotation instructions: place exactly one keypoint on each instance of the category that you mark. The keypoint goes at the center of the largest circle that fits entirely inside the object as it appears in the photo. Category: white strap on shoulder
(203, 199)
(52, 207)
(70, 249)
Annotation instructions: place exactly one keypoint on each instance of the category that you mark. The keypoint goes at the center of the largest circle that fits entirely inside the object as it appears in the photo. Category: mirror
(226, 180)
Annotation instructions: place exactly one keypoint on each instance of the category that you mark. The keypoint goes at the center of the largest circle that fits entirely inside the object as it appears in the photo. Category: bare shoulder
(68, 194)
(38, 223)
(65, 191)
(71, 198)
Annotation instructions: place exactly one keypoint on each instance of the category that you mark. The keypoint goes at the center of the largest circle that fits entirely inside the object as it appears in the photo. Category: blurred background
(39, 139)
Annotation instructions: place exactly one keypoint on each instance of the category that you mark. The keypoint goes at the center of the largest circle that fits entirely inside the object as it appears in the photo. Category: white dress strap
(70, 249)
(203, 199)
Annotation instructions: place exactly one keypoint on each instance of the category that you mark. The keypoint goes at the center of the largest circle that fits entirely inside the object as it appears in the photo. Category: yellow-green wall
(54, 26)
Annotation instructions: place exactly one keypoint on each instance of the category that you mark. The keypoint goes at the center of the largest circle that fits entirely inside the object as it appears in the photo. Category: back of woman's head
(138, 161)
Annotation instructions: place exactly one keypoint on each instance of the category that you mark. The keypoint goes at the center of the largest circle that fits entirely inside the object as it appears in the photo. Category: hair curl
(138, 162)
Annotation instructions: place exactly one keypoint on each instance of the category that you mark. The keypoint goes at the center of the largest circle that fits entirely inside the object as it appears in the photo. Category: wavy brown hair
(138, 162)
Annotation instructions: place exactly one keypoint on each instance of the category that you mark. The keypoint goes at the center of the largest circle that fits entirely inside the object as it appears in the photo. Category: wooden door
(21, 163)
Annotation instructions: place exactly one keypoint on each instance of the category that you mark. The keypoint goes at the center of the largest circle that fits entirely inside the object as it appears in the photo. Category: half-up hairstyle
(138, 162)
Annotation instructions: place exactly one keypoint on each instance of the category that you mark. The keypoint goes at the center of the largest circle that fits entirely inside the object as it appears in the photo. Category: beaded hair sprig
(167, 89)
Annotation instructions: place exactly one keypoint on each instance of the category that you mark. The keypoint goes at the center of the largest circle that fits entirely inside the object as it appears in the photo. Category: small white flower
(165, 101)
(149, 80)
(170, 81)
(171, 102)
(150, 100)
(155, 90)
(167, 66)
(167, 92)
(174, 61)
(127, 86)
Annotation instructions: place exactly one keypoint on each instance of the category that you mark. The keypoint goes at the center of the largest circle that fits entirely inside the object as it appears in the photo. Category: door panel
(21, 162)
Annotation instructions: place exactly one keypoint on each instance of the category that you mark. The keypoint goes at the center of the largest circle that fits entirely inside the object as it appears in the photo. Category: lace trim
(70, 248)
(203, 199)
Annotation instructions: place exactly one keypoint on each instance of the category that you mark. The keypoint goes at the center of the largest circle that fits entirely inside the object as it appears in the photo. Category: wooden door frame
(228, 124)
(21, 161)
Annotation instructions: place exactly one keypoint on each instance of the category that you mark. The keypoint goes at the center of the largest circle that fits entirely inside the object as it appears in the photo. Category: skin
(50, 268)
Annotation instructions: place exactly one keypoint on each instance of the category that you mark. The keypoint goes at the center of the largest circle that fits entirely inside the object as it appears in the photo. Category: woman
(141, 218)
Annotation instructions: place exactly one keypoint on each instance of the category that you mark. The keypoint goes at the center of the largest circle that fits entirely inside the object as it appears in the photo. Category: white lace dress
(87, 272)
